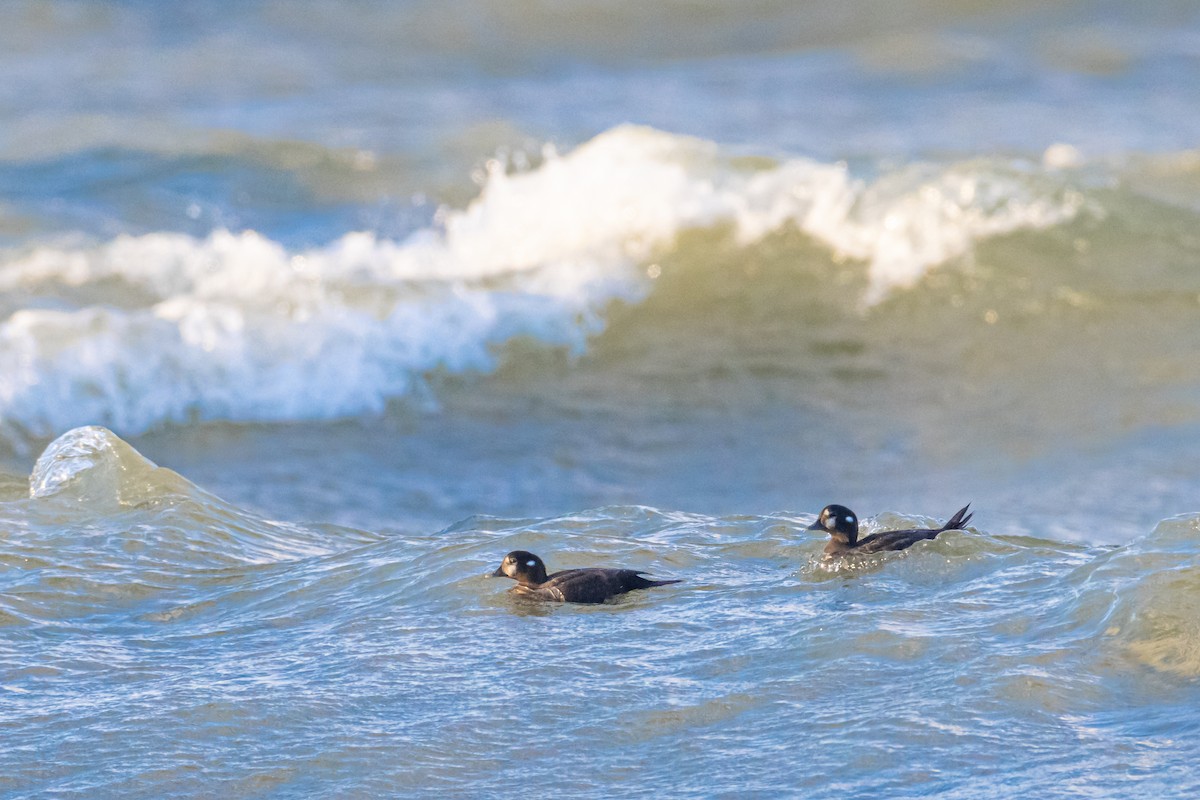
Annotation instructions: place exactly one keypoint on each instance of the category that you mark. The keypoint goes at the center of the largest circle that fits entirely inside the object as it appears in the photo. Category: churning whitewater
(166, 328)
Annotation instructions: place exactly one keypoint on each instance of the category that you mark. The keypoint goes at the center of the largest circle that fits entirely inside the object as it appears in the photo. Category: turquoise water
(160, 642)
(311, 312)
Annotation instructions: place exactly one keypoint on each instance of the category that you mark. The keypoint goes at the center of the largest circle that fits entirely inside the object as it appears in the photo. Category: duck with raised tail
(842, 526)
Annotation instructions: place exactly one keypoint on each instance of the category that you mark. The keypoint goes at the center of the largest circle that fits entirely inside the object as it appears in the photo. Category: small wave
(90, 487)
(1151, 589)
(161, 328)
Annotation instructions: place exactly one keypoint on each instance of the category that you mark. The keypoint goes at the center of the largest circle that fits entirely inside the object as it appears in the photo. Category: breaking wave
(146, 330)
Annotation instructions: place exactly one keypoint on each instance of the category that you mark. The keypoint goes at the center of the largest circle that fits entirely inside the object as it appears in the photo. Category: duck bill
(499, 573)
(816, 526)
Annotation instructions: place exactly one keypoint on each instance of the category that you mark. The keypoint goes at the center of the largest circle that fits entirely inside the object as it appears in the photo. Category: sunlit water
(160, 642)
(388, 292)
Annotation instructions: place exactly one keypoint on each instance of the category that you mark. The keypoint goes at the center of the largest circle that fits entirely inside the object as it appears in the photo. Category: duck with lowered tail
(586, 585)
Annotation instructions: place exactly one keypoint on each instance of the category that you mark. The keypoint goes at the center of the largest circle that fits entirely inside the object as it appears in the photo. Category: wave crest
(159, 328)
(1153, 586)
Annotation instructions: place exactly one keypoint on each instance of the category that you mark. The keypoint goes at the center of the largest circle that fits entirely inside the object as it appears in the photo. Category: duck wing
(900, 540)
(893, 540)
(589, 585)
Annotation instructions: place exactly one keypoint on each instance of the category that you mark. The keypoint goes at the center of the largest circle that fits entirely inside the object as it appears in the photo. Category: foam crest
(145, 330)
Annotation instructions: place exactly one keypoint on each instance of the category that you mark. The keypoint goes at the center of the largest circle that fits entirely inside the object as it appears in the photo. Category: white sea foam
(235, 326)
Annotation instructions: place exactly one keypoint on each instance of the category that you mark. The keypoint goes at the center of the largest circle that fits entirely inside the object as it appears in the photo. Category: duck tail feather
(959, 521)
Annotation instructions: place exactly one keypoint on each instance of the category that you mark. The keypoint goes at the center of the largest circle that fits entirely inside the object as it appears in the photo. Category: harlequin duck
(842, 526)
(588, 585)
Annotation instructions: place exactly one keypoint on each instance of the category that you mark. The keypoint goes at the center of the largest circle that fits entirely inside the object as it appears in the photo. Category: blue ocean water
(310, 312)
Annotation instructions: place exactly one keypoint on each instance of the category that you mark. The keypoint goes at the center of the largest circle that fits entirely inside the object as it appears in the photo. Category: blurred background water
(404, 286)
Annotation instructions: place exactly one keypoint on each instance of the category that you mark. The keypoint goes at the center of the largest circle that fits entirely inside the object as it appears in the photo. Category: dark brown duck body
(842, 526)
(587, 585)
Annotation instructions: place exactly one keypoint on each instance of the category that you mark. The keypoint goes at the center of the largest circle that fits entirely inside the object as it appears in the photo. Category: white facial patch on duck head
(531, 563)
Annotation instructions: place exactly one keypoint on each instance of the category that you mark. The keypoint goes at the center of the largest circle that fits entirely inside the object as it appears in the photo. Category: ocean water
(310, 312)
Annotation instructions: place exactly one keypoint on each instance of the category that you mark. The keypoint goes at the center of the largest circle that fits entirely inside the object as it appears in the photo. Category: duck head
(523, 567)
(839, 522)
